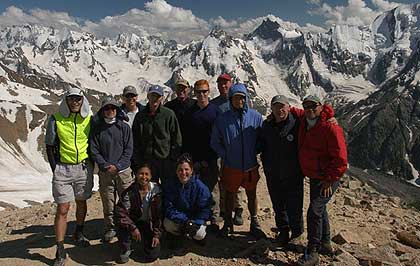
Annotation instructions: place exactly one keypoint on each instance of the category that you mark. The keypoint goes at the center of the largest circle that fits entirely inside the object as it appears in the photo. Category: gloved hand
(191, 228)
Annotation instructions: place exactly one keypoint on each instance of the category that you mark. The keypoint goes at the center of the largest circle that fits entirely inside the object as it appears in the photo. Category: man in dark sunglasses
(323, 158)
(66, 141)
(199, 122)
(131, 106)
(111, 146)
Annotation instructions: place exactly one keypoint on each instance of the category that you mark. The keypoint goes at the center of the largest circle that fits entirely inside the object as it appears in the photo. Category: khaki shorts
(72, 182)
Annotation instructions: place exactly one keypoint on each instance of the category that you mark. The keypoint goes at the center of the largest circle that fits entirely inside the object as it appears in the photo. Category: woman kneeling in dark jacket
(138, 216)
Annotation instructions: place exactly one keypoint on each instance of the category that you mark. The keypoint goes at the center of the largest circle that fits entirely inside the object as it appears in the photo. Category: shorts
(72, 181)
(231, 179)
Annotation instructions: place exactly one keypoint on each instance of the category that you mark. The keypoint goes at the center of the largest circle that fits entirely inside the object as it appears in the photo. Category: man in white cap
(156, 137)
(111, 146)
(181, 106)
(66, 140)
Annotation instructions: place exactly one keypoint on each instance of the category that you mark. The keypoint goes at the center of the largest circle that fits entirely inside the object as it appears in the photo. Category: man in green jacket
(66, 140)
(156, 137)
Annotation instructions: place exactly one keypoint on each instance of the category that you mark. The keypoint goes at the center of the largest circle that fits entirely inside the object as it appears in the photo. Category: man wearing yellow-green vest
(67, 139)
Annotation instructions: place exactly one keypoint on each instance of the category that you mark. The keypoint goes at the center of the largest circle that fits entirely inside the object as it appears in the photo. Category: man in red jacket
(323, 158)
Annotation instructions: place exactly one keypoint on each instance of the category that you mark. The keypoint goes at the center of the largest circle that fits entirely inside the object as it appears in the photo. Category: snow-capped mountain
(368, 73)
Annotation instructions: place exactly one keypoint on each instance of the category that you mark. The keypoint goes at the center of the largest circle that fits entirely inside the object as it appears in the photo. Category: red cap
(224, 76)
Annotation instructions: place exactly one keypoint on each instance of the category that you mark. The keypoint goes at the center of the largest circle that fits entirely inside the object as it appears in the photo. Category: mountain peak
(218, 33)
(267, 30)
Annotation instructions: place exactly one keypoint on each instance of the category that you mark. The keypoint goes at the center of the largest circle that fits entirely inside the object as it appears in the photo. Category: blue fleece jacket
(234, 135)
(190, 201)
(111, 143)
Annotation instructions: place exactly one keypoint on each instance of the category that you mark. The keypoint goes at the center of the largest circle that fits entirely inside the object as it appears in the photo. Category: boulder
(409, 239)
(376, 257)
(354, 237)
(343, 258)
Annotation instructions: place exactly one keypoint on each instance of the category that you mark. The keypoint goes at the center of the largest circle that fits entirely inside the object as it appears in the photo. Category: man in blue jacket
(234, 138)
(224, 82)
(111, 146)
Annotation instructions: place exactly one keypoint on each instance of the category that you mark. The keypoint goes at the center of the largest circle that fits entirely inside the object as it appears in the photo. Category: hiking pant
(240, 195)
(210, 177)
(287, 199)
(177, 229)
(317, 218)
(111, 185)
(124, 240)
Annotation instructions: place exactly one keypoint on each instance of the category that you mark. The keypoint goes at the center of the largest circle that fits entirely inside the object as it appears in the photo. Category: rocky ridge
(373, 223)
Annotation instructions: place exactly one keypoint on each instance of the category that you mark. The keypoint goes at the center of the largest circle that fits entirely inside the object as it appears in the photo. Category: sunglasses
(184, 158)
(201, 91)
(109, 107)
(310, 106)
(74, 98)
(130, 95)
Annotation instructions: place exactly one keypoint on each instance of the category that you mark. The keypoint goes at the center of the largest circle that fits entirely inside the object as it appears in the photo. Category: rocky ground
(372, 216)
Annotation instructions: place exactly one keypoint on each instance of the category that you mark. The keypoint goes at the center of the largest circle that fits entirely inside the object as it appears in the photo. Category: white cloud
(313, 2)
(355, 13)
(384, 5)
(158, 18)
(16, 16)
(312, 28)
(237, 28)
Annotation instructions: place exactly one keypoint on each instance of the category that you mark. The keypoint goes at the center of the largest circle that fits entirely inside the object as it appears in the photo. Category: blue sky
(292, 10)
(189, 19)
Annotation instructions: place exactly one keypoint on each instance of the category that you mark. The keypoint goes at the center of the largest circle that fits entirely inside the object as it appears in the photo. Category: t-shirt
(153, 190)
(131, 116)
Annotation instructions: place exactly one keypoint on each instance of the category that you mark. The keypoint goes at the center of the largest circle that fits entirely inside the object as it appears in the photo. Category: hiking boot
(60, 257)
(256, 230)
(213, 228)
(283, 237)
(109, 235)
(326, 249)
(124, 257)
(237, 218)
(80, 240)
(309, 259)
(296, 243)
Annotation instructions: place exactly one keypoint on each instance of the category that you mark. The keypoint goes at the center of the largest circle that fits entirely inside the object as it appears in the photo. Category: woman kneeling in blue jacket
(187, 202)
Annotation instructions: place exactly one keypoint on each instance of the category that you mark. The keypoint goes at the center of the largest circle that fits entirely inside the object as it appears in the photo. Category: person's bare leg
(252, 202)
(60, 221)
(81, 210)
(78, 236)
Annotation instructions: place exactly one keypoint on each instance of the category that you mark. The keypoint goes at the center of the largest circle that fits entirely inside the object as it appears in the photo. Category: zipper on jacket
(75, 139)
(242, 139)
(154, 139)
